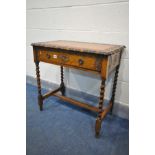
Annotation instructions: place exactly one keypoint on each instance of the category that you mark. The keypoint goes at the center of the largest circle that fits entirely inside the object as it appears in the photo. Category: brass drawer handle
(64, 58)
(48, 56)
(81, 62)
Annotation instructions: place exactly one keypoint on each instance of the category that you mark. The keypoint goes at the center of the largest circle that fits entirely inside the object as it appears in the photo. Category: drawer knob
(48, 56)
(81, 62)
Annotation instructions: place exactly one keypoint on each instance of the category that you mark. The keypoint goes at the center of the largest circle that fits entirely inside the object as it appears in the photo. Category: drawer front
(73, 60)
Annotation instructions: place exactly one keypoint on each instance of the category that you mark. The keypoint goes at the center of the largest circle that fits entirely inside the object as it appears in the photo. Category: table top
(105, 49)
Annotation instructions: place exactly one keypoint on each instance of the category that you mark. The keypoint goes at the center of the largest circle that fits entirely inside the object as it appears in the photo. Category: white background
(13, 69)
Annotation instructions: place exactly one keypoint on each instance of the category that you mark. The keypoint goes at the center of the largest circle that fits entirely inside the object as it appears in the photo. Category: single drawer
(84, 61)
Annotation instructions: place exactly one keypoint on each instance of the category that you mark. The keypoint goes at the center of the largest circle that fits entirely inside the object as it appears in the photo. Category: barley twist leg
(40, 100)
(114, 87)
(98, 120)
(62, 85)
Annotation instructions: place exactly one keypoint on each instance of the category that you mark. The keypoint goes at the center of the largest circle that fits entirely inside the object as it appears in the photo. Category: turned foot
(40, 103)
(97, 127)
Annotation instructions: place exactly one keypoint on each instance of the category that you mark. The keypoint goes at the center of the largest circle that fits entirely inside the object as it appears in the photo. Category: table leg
(62, 85)
(40, 99)
(99, 120)
(114, 86)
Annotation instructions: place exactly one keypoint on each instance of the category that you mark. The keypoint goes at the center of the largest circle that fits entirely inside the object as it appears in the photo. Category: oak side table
(98, 58)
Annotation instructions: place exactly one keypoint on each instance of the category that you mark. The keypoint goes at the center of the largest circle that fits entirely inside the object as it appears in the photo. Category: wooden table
(98, 58)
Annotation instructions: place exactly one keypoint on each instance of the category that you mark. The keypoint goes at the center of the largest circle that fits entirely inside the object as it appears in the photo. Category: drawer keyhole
(81, 62)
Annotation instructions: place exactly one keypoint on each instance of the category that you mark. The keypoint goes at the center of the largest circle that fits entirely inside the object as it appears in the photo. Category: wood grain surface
(104, 49)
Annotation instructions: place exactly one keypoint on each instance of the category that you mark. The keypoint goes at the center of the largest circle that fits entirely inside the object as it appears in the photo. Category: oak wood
(104, 68)
(51, 93)
(62, 85)
(83, 47)
(40, 99)
(85, 61)
(77, 103)
(101, 99)
(114, 86)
